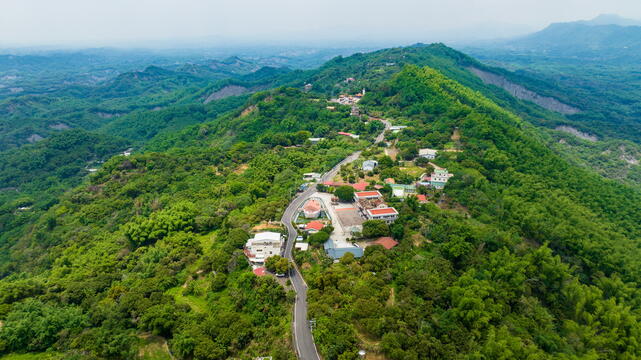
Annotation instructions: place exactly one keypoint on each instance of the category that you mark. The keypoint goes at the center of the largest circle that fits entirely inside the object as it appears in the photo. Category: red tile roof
(390, 181)
(383, 211)
(367, 193)
(360, 186)
(421, 198)
(315, 225)
(344, 133)
(312, 205)
(260, 271)
(386, 242)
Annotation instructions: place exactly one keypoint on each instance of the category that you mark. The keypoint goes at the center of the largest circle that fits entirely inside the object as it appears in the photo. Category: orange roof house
(314, 226)
(387, 242)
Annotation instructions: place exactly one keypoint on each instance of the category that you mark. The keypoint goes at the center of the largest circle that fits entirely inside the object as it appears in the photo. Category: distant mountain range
(604, 38)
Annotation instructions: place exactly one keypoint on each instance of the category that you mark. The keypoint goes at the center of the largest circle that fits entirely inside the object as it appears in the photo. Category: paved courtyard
(343, 216)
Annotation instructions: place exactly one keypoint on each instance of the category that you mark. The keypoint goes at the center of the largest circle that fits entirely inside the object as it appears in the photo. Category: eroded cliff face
(522, 93)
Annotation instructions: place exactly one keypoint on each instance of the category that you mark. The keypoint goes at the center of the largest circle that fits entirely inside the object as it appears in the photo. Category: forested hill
(523, 255)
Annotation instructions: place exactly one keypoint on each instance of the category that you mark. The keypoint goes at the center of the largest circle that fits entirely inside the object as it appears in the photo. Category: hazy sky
(158, 22)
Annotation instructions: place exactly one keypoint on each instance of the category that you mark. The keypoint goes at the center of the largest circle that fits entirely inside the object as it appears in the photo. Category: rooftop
(267, 235)
(362, 194)
(312, 205)
(315, 225)
(383, 211)
(387, 242)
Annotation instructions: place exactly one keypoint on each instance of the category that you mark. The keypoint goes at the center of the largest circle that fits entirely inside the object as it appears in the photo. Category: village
(336, 213)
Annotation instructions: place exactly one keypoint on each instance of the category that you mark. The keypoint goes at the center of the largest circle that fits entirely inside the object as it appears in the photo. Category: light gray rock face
(522, 93)
(577, 133)
(227, 91)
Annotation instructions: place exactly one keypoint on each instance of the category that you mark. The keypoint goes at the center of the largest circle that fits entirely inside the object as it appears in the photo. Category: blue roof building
(337, 252)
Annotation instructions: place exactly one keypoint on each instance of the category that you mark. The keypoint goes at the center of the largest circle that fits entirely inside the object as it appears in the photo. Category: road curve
(303, 339)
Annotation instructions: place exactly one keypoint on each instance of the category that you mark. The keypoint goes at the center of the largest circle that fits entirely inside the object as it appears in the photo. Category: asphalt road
(303, 339)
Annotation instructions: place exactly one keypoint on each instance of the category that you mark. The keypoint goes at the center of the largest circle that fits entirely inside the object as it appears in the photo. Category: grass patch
(196, 303)
(154, 348)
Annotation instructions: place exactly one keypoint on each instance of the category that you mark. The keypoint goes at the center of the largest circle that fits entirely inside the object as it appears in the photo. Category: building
(314, 226)
(348, 134)
(386, 242)
(262, 246)
(439, 178)
(367, 195)
(355, 111)
(316, 140)
(427, 153)
(397, 128)
(421, 198)
(308, 87)
(401, 190)
(387, 214)
(301, 246)
(336, 251)
(312, 176)
(312, 209)
(361, 186)
(369, 165)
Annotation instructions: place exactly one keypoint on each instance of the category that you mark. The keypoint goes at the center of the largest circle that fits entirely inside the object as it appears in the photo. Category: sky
(176, 23)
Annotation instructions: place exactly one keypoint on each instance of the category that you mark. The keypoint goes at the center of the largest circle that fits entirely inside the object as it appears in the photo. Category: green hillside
(526, 254)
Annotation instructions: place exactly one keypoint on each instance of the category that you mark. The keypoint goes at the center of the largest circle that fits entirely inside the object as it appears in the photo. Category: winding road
(303, 338)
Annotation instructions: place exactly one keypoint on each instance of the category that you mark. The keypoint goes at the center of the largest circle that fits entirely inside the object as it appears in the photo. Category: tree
(344, 193)
(375, 228)
(277, 264)
(318, 239)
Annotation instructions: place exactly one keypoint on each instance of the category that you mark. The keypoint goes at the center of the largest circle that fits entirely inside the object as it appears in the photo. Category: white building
(262, 246)
(388, 214)
(367, 195)
(312, 176)
(397, 128)
(369, 165)
(427, 153)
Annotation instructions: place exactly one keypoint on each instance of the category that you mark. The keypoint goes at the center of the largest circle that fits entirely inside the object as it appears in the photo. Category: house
(421, 198)
(312, 209)
(348, 134)
(402, 190)
(367, 195)
(439, 178)
(390, 181)
(397, 128)
(387, 214)
(314, 226)
(262, 246)
(312, 176)
(369, 165)
(316, 140)
(301, 246)
(355, 111)
(361, 186)
(308, 87)
(336, 251)
(427, 153)
(386, 242)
